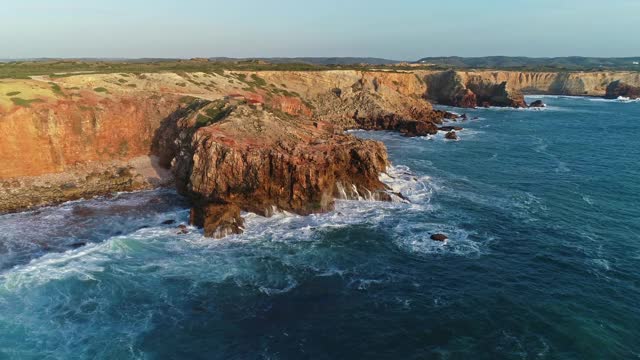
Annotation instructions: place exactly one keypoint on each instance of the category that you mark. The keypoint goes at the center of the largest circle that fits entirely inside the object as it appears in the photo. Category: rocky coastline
(619, 89)
(230, 142)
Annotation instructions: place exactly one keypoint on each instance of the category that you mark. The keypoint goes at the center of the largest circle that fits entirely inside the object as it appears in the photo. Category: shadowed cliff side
(619, 89)
(469, 91)
(505, 88)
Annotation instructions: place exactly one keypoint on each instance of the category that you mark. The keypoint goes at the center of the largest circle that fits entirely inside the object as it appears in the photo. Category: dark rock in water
(537, 104)
(486, 104)
(168, 222)
(475, 118)
(618, 89)
(408, 127)
(402, 197)
(450, 128)
(439, 237)
(464, 117)
(78, 245)
(182, 229)
(218, 220)
(446, 114)
(451, 135)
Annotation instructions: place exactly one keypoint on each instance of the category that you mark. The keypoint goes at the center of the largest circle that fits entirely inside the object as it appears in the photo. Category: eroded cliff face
(235, 141)
(259, 161)
(53, 137)
(620, 89)
(463, 88)
(341, 97)
(63, 143)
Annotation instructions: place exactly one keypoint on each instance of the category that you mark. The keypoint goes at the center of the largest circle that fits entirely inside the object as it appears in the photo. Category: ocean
(542, 210)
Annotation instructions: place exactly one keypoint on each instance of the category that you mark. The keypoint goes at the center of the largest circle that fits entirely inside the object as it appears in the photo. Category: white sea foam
(562, 167)
(620, 99)
(393, 218)
(602, 263)
(587, 199)
(533, 109)
(544, 96)
(415, 238)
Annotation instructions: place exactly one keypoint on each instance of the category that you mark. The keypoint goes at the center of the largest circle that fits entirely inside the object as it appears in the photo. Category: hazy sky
(395, 29)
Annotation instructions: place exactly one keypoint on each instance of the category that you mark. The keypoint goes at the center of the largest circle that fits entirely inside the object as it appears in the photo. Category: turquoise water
(543, 213)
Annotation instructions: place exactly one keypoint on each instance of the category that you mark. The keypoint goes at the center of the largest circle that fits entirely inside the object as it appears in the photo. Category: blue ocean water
(543, 262)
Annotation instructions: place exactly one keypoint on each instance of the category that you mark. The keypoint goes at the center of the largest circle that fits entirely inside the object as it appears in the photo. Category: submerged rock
(78, 245)
(537, 104)
(168, 222)
(439, 237)
(451, 135)
(182, 229)
(450, 128)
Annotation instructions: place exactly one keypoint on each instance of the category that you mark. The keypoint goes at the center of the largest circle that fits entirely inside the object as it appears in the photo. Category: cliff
(259, 161)
(620, 89)
(447, 87)
(234, 141)
(469, 91)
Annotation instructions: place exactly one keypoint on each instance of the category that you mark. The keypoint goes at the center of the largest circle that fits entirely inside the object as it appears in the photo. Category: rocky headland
(238, 141)
(619, 89)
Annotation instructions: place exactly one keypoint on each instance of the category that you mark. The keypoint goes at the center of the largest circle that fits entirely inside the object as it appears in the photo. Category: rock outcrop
(537, 104)
(259, 161)
(451, 91)
(234, 141)
(451, 135)
(217, 219)
(82, 181)
(439, 237)
(619, 89)
(454, 89)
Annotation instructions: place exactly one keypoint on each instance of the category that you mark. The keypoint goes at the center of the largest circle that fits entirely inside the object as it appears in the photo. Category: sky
(392, 29)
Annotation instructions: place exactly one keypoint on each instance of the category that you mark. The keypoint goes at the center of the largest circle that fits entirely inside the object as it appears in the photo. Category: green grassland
(62, 68)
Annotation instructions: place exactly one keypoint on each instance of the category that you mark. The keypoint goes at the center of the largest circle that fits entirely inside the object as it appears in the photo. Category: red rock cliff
(258, 161)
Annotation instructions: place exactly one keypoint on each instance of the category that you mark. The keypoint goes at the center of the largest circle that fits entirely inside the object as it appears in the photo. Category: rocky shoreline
(231, 142)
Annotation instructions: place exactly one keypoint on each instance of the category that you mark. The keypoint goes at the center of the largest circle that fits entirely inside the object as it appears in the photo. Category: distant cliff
(505, 88)
(620, 89)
